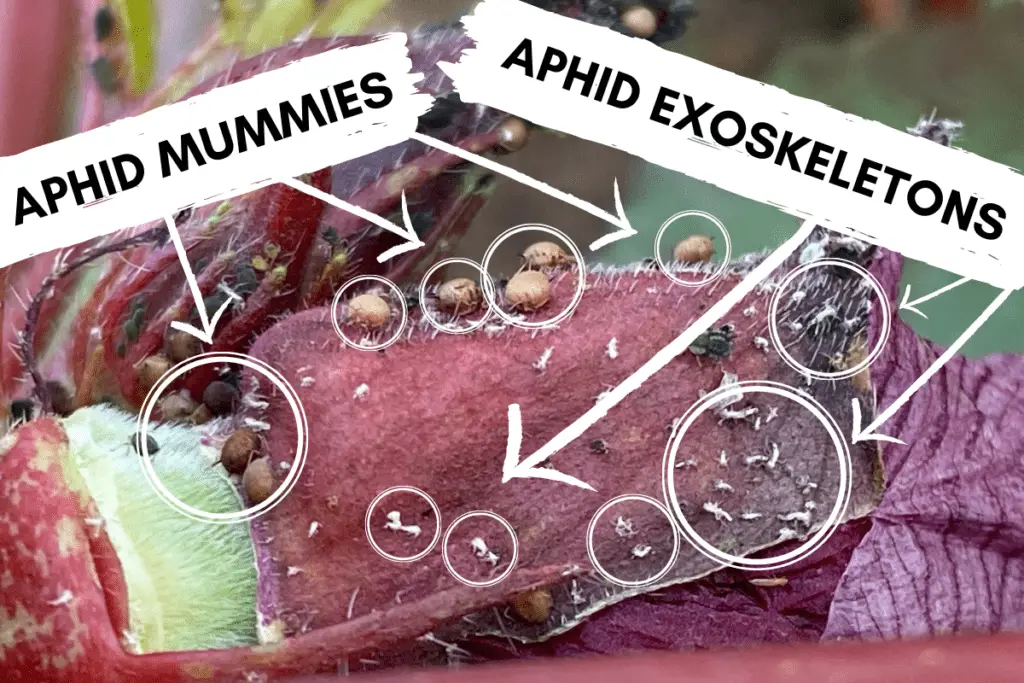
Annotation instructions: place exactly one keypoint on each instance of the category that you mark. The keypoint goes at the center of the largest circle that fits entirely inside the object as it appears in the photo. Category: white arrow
(407, 233)
(205, 335)
(868, 433)
(907, 305)
(527, 468)
(619, 219)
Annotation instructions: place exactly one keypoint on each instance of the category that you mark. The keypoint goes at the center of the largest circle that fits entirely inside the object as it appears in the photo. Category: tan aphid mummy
(258, 481)
(369, 310)
(177, 406)
(239, 449)
(694, 249)
(641, 21)
(513, 134)
(152, 369)
(181, 346)
(545, 255)
(528, 290)
(533, 606)
(459, 296)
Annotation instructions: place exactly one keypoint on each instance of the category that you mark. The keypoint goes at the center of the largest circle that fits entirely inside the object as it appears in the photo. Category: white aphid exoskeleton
(482, 552)
(686, 463)
(307, 382)
(542, 363)
(755, 459)
(787, 534)
(640, 551)
(810, 505)
(762, 343)
(794, 325)
(802, 516)
(613, 348)
(773, 413)
(313, 528)
(757, 424)
(774, 459)
(716, 510)
(294, 571)
(64, 598)
(751, 516)
(721, 485)
(623, 527)
(749, 311)
(394, 523)
(797, 296)
(576, 593)
(361, 391)
(742, 414)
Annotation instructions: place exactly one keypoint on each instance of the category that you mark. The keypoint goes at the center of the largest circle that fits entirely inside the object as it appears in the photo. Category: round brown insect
(177, 407)
(368, 310)
(545, 255)
(640, 20)
(241, 447)
(152, 369)
(459, 296)
(181, 346)
(513, 134)
(694, 249)
(528, 290)
(533, 606)
(220, 397)
(61, 399)
(258, 481)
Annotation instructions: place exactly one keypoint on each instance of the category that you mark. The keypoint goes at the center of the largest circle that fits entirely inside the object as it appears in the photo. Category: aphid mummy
(640, 551)
(716, 510)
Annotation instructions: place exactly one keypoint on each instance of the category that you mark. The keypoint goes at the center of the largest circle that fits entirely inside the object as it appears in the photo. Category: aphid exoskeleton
(623, 527)
(757, 424)
(716, 510)
(482, 552)
(723, 459)
(541, 364)
(810, 505)
(750, 516)
(772, 414)
(613, 348)
(640, 551)
(294, 571)
(797, 296)
(307, 382)
(313, 528)
(686, 463)
(64, 598)
(762, 343)
(362, 391)
(802, 516)
(774, 459)
(813, 252)
(787, 534)
(459, 296)
(755, 459)
(721, 485)
(725, 414)
(576, 593)
(749, 311)
(394, 523)
(545, 255)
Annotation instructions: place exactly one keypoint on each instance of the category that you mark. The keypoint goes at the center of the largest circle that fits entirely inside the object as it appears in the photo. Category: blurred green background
(970, 73)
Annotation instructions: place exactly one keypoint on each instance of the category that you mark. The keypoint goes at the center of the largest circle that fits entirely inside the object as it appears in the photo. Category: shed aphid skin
(623, 527)
(483, 553)
(686, 463)
(750, 516)
(721, 485)
(361, 391)
(771, 582)
(787, 534)
(723, 459)
(715, 509)
(314, 527)
(613, 348)
(774, 459)
(541, 364)
(640, 551)
(801, 516)
(394, 523)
